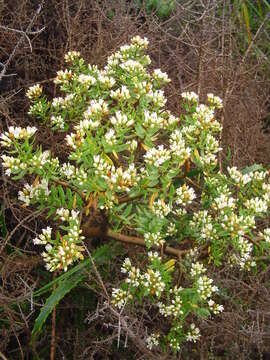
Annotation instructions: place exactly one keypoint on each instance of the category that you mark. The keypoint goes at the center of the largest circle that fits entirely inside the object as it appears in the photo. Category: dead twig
(25, 34)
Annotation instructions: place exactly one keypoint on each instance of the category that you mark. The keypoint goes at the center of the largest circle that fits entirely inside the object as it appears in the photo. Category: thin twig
(97, 272)
(24, 34)
(3, 356)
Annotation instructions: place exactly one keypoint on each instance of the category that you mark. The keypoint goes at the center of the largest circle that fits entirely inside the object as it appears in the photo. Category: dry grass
(198, 48)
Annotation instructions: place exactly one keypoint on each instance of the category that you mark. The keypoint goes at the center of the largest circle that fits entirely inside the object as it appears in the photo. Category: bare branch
(24, 34)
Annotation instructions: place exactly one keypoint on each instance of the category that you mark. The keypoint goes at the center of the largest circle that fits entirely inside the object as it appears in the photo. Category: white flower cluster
(174, 309)
(160, 76)
(210, 150)
(132, 66)
(63, 103)
(157, 156)
(203, 223)
(57, 122)
(160, 208)
(215, 308)
(120, 120)
(174, 344)
(157, 98)
(237, 224)
(34, 92)
(117, 178)
(171, 229)
(44, 238)
(190, 96)
(41, 158)
(63, 77)
(79, 175)
(185, 195)
(153, 120)
(12, 164)
(244, 258)
(215, 101)
(87, 80)
(33, 192)
(223, 202)
(120, 297)
(153, 256)
(266, 235)
(72, 55)
(152, 341)
(238, 177)
(140, 42)
(205, 288)
(193, 334)
(203, 283)
(59, 255)
(106, 81)
(122, 180)
(122, 94)
(153, 239)
(197, 269)
(97, 108)
(134, 276)
(16, 133)
(178, 147)
(153, 282)
(257, 205)
(110, 137)
(102, 167)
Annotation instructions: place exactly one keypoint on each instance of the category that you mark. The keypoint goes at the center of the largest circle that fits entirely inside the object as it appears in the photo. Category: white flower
(152, 340)
(215, 101)
(63, 77)
(120, 297)
(160, 208)
(257, 205)
(34, 92)
(86, 80)
(141, 42)
(160, 76)
(16, 133)
(120, 94)
(193, 334)
(185, 195)
(197, 269)
(72, 55)
(153, 239)
(157, 156)
(190, 96)
(121, 120)
(157, 97)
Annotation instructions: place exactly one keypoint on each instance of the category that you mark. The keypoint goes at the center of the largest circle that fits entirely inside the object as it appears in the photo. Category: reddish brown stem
(139, 241)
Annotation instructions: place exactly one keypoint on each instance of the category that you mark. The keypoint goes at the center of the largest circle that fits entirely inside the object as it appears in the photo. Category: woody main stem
(99, 231)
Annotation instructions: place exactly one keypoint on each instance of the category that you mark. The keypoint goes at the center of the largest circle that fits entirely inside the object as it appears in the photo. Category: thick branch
(139, 241)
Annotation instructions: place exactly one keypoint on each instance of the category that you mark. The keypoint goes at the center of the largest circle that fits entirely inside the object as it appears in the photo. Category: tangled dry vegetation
(199, 47)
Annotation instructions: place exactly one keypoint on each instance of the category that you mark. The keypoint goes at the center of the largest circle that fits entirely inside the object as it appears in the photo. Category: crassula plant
(139, 174)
